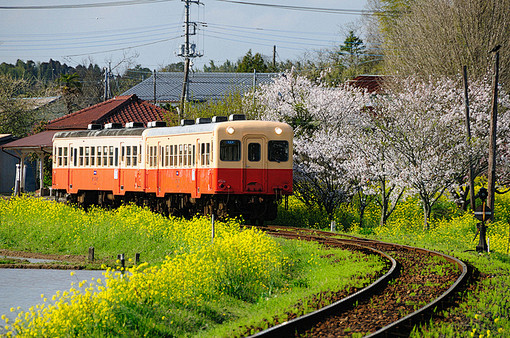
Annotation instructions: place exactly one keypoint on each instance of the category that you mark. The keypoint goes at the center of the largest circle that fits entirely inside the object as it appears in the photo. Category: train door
(195, 173)
(122, 166)
(72, 166)
(254, 164)
(159, 162)
(139, 165)
(68, 165)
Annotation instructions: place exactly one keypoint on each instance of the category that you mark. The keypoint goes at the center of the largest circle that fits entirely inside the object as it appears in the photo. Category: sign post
(482, 213)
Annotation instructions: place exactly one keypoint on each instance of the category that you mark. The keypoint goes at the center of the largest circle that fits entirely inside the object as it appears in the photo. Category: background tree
(437, 37)
(15, 116)
(70, 87)
(250, 63)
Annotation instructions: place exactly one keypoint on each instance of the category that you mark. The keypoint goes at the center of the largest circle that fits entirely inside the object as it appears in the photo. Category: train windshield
(230, 150)
(278, 151)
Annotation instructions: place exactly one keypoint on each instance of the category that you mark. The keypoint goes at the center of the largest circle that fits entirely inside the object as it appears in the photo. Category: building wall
(7, 168)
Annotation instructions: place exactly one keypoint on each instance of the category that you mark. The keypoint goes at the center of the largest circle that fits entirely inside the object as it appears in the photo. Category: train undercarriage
(254, 208)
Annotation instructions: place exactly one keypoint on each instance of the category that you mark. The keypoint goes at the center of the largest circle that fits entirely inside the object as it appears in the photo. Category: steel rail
(401, 327)
(288, 328)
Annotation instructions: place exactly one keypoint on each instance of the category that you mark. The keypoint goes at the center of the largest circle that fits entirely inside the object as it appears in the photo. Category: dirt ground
(18, 260)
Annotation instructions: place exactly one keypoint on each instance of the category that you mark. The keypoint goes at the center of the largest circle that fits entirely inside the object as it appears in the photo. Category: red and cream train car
(234, 167)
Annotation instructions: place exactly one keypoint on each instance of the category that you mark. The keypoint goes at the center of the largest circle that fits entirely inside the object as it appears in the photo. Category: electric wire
(88, 5)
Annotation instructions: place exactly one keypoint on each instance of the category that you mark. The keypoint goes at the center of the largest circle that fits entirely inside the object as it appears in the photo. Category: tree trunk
(426, 214)
(384, 203)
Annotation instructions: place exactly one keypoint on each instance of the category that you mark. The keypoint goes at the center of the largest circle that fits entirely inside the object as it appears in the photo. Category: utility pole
(187, 51)
(468, 130)
(274, 58)
(106, 80)
(154, 86)
(491, 176)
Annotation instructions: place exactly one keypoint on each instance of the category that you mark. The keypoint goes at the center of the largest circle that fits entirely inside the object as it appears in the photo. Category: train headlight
(230, 130)
(278, 130)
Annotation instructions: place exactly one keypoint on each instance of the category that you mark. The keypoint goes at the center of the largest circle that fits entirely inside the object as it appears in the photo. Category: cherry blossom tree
(322, 118)
(412, 139)
(424, 123)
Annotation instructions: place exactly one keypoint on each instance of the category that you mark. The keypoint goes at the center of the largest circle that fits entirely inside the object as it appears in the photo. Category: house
(167, 87)
(374, 84)
(121, 109)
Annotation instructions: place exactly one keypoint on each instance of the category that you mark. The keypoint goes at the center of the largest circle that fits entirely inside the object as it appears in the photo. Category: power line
(124, 48)
(90, 5)
(306, 9)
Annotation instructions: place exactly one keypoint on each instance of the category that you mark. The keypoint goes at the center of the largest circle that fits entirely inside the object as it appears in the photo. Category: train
(226, 166)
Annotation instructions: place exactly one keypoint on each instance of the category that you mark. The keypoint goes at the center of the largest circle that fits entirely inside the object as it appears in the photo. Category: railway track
(417, 283)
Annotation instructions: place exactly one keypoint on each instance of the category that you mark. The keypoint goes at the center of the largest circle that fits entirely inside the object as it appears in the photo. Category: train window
(92, 155)
(278, 151)
(99, 156)
(122, 154)
(65, 156)
(194, 158)
(207, 154)
(167, 155)
(105, 156)
(150, 156)
(59, 156)
(135, 155)
(55, 155)
(175, 156)
(81, 156)
(202, 153)
(128, 155)
(116, 157)
(75, 156)
(254, 152)
(190, 155)
(87, 156)
(110, 162)
(230, 150)
(180, 154)
(171, 156)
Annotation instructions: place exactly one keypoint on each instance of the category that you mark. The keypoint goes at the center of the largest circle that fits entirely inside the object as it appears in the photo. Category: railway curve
(417, 283)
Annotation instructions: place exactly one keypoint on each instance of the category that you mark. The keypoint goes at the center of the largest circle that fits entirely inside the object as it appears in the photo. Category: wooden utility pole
(274, 58)
(491, 179)
(154, 86)
(468, 130)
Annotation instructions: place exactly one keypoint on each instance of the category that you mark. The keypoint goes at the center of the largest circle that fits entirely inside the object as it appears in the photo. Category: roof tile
(121, 109)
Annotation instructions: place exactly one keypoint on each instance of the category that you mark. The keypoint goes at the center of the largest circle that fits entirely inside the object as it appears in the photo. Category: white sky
(153, 30)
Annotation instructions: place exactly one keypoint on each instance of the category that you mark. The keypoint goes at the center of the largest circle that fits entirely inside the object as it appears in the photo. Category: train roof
(147, 132)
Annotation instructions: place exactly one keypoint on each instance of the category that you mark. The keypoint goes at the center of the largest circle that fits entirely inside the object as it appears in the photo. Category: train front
(253, 165)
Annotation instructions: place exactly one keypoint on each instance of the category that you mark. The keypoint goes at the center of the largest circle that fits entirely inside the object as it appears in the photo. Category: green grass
(192, 286)
(484, 311)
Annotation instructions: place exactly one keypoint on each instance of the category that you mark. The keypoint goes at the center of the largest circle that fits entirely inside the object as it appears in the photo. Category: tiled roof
(373, 83)
(202, 86)
(121, 109)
